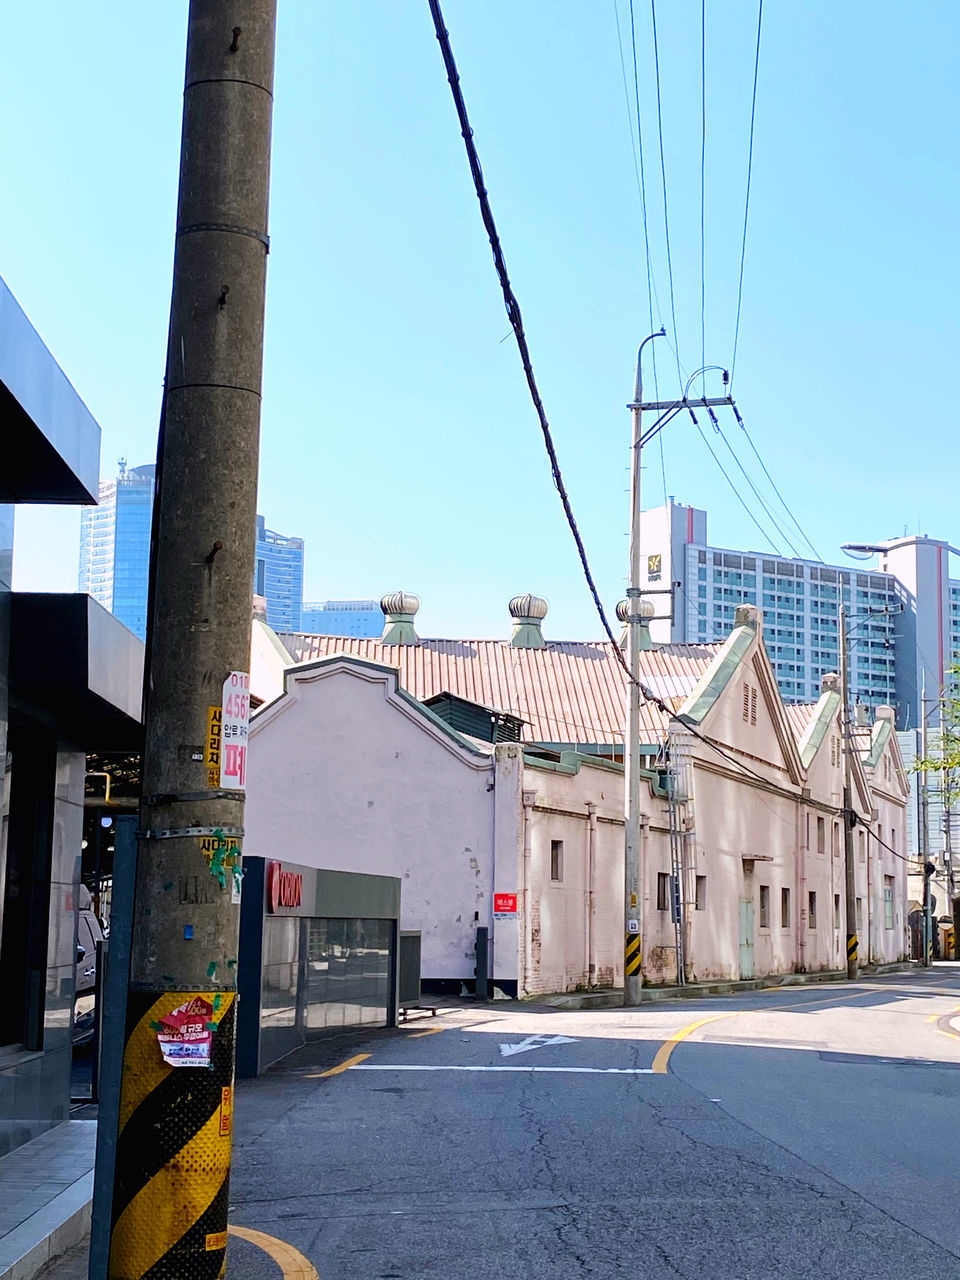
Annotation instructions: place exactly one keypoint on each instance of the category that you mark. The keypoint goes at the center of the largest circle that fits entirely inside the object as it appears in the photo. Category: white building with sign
(380, 757)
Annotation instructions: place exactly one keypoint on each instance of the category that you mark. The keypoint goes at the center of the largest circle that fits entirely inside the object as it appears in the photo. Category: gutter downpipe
(800, 924)
(591, 892)
(529, 799)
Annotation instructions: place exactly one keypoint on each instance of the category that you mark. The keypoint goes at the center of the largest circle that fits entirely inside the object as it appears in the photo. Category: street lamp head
(862, 550)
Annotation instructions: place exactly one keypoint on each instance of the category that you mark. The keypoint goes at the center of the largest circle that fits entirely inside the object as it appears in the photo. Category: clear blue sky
(398, 437)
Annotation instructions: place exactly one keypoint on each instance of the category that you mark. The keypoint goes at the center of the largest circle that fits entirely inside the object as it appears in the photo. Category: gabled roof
(566, 692)
(799, 715)
(729, 661)
(871, 743)
(821, 716)
(304, 674)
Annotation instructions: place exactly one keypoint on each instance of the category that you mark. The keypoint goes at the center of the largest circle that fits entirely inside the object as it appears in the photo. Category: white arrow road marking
(533, 1042)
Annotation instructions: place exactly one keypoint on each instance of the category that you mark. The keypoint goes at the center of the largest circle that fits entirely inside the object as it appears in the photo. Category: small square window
(663, 891)
(785, 908)
(556, 860)
(700, 900)
(811, 910)
(764, 906)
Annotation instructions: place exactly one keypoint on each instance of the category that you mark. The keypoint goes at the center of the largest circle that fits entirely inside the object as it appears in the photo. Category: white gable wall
(344, 775)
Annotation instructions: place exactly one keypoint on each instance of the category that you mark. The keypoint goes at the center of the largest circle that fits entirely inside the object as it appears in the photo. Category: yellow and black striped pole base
(632, 956)
(169, 1218)
(852, 947)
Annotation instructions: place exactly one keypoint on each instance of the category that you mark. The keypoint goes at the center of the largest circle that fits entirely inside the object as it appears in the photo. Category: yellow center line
(431, 1031)
(668, 1046)
(290, 1260)
(343, 1066)
(663, 1053)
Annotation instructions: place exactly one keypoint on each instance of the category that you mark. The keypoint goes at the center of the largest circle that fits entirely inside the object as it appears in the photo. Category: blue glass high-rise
(115, 546)
(278, 577)
(115, 555)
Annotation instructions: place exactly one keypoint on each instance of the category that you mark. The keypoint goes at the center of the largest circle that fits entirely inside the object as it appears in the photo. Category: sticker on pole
(186, 1035)
(211, 750)
(504, 906)
(234, 723)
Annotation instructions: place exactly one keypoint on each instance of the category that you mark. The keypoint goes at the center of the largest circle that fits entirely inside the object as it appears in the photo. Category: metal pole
(928, 870)
(924, 833)
(171, 1185)
(633, 872)
(850, 866)
(945, 787)
(924, 840)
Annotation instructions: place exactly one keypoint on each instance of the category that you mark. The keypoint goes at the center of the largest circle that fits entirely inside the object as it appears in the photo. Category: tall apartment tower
(278, 577)
(904, 613)
(900, 653)
(115, 545)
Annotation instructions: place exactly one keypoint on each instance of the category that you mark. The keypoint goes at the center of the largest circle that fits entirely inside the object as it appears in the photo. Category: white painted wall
(580, 806)
(346, 775)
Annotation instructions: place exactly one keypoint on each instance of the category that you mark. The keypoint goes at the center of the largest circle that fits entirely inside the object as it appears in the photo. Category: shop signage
(504, 906)
(234, 724)
(284, 888)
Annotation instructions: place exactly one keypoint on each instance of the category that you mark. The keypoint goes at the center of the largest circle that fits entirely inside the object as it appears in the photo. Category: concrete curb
(49, 1232)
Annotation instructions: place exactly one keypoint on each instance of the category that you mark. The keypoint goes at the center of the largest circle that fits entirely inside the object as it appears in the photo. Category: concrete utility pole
(633, 872)
(169, 1212)
(636, 617)
(850, 866)
(924, 824)
(946, 784)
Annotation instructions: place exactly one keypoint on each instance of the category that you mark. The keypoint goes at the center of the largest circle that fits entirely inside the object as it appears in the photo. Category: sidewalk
(46, 1189)
(612, 997)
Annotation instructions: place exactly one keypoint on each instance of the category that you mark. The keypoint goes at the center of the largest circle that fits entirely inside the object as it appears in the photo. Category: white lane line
(592, 1071)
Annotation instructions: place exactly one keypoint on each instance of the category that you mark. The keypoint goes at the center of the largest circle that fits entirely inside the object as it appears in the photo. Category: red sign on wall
(284, 888)
(504, 904)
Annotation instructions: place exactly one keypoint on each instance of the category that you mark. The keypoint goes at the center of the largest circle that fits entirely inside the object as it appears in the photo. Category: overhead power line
(663, 180)
(746, 203)
(703, 189)
(636, 146)
(773, 485)
(765, 534)
(773, 520)
(516, 319)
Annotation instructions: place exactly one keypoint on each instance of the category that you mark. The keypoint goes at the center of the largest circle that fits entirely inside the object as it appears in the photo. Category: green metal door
(746, 937)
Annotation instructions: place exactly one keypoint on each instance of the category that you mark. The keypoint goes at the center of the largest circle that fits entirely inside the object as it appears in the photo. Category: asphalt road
(799, 1132)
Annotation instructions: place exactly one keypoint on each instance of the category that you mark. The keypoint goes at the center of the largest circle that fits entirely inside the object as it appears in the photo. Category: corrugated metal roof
(567, 692)
(799, 715)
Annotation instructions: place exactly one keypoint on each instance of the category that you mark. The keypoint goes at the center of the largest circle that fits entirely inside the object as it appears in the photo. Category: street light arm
(638, 381)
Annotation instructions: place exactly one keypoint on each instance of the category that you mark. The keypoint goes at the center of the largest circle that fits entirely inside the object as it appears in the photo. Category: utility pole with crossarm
(637, 614)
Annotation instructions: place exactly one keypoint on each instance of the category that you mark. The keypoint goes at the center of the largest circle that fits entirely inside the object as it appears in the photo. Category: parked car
(89, 933)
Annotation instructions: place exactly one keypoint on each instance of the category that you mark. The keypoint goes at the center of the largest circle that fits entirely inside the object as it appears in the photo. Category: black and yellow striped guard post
(852, 946)
(631, 954)
(169, 1217)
